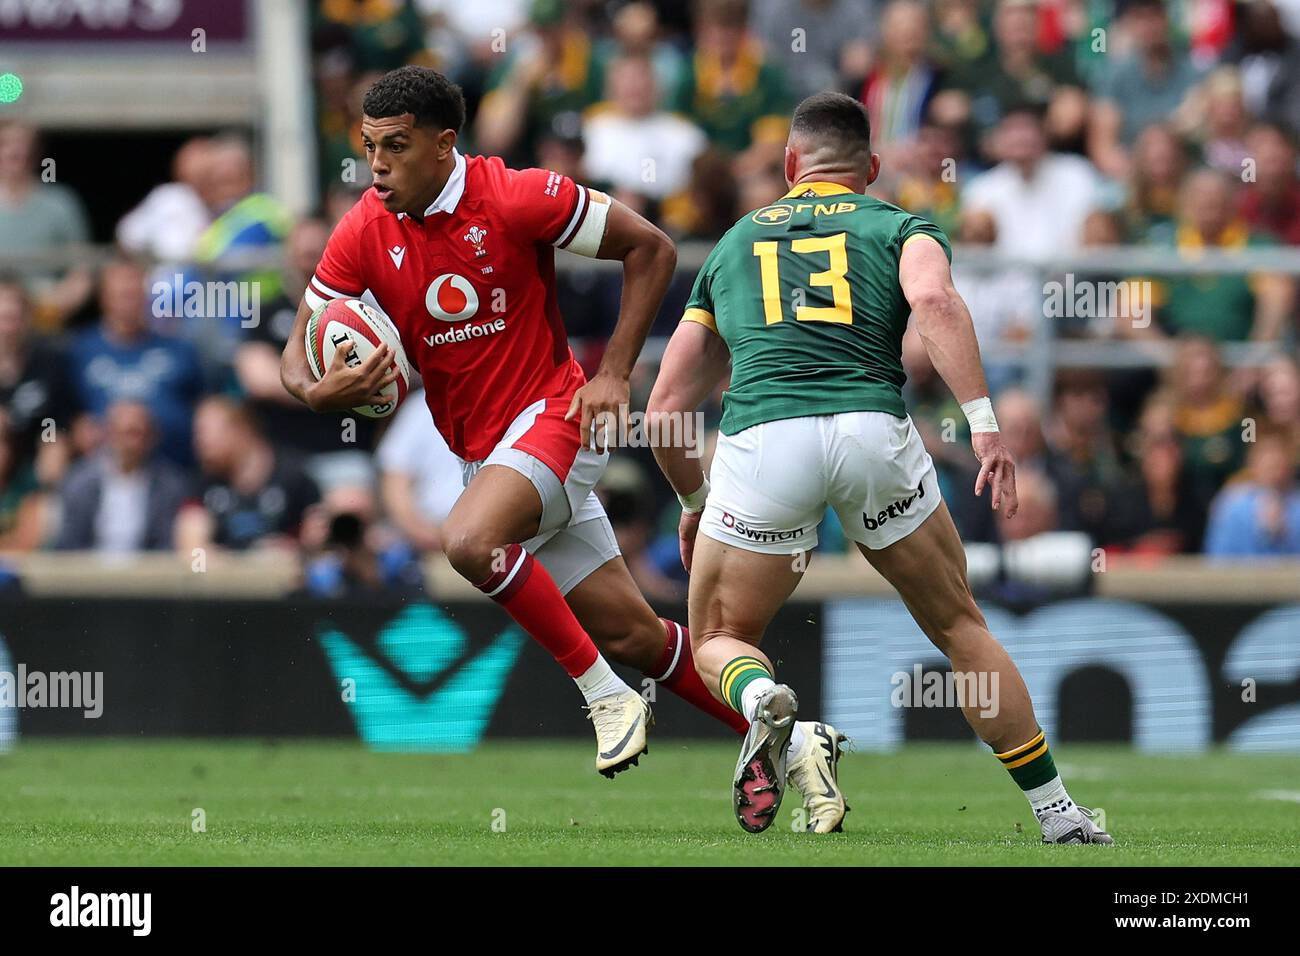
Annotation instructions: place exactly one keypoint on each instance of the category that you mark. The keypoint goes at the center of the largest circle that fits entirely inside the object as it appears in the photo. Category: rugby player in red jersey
(459, 252)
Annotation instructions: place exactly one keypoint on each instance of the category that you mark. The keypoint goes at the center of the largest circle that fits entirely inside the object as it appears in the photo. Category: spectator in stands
(1148, 86)
(1038, 199)
(624, 490)
(167, 223)
(730, 89)
(1269, 60)
(121, 358)
(249, 494)
(40, 216)
(1159, 164)
(1228, 307)
(636, 32)
(1270, 204)
(22, 503)
(928, 185)
(350, 556)
(33, 379)
(378, 36)
(1015, 71)
(817, 44)
(247, 222)
(1222, 123)
(903, 81)
(1207, 415)
(1279, 396)
(1171, 521)
(1259, 517)
(639, 152)
(711, 203)
(420, 479)
(125, 498)
(335, 448)
(553, 69)
(961, 33)
(1006, 304)
(1038, 511)
(1097, 495)
(464, 38)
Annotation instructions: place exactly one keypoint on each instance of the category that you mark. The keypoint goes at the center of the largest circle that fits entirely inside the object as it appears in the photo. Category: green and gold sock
(739, 674)
(1032, 768)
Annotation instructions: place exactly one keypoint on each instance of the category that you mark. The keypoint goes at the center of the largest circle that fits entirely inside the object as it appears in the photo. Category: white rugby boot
(621, 722)
(814, 772)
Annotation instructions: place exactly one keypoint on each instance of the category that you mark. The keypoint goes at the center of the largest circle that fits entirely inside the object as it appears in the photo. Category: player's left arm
(945, 326)
(649, 259)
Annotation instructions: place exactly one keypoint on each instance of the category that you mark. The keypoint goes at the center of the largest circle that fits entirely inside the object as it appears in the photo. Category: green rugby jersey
(805, 293)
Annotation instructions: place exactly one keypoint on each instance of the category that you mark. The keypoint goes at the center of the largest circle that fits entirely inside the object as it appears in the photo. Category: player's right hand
(686, 531)
(345, 387)
(997, 470)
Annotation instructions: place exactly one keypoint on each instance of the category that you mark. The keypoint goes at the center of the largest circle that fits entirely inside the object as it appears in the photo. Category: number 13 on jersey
(834, 277)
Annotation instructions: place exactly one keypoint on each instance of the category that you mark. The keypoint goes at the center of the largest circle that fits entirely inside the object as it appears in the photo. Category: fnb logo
(754, 534)
(896, 510)
(451, 298)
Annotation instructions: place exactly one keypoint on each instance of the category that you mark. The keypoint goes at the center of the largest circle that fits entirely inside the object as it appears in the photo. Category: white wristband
(693, 503)
(979, 412)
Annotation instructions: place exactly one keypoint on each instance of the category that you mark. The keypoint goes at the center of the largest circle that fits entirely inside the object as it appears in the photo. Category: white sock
(1050, 798)
(599, 680)
(752, 692)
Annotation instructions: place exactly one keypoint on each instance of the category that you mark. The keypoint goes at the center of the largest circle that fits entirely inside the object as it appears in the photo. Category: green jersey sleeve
(912, 226)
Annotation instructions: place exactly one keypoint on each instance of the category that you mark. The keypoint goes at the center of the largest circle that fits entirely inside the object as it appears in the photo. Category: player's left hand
(997, 470)
(687, 529)
(603, 401)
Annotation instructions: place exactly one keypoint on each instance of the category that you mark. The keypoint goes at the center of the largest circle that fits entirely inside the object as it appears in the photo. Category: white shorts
(574, 537)
(771, 483)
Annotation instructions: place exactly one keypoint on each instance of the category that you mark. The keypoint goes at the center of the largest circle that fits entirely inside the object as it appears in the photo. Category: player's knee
(469, 551)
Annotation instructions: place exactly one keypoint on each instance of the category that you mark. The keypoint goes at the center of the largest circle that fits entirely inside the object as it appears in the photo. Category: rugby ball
(351, 320)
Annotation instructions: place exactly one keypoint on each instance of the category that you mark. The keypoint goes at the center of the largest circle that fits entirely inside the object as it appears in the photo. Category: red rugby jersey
(471, 290)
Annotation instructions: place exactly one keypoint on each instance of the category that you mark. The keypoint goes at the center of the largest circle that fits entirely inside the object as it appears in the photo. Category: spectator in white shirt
(168, 222)
(420, 478)
(1038, 199)
(635, 148)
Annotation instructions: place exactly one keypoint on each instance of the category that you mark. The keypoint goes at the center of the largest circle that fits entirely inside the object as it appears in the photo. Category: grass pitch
(306, 803)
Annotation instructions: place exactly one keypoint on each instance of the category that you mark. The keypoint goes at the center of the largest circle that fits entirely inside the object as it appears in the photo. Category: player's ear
(446, 142)
(791, 161)
(875, 168)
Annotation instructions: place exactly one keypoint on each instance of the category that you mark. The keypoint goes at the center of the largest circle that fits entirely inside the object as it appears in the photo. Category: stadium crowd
(132, 418)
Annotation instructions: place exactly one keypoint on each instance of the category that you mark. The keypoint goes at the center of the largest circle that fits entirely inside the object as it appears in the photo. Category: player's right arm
(945, 326)
(342, 387)
(694, 362)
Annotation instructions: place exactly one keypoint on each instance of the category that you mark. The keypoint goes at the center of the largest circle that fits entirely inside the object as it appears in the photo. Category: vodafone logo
(451, 298)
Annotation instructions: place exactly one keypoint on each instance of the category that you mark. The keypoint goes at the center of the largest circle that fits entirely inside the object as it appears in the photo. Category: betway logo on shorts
(896, 510)
(730, 522)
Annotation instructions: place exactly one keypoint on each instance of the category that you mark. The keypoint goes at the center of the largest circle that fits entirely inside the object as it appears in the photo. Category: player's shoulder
(489, 175)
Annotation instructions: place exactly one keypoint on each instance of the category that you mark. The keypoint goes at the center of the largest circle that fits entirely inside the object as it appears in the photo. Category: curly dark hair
(433, 99)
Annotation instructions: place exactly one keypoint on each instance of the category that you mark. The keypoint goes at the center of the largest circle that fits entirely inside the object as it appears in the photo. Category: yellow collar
(820, 189)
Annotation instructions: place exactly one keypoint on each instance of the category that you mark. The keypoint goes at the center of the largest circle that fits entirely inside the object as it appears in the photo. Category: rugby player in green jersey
(806, 300)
